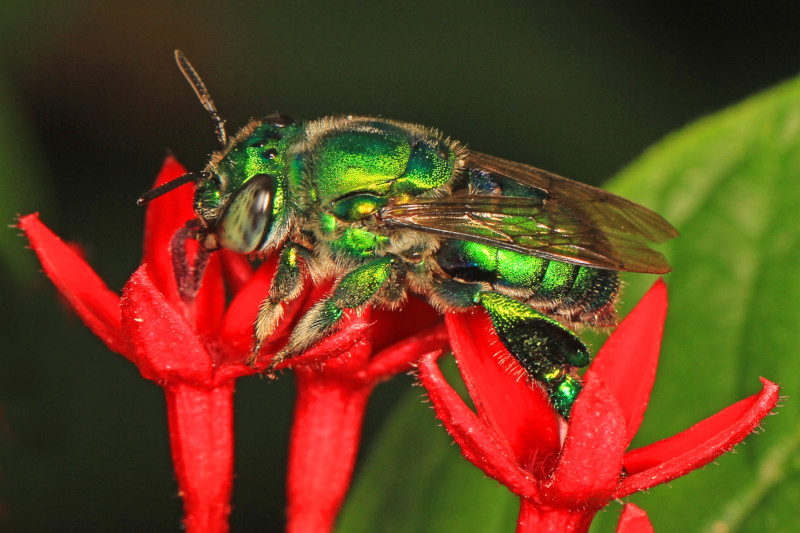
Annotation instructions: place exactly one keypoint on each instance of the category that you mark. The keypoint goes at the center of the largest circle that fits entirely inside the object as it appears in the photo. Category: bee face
(242, 191)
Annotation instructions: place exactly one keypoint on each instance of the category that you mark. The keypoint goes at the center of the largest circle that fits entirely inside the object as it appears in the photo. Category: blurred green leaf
(22, 184)
(730, 183)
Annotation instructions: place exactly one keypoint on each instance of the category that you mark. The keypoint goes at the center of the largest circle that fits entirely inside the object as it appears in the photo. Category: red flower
(194, 346)
(329, 410)
(633, 520)
(562, 482)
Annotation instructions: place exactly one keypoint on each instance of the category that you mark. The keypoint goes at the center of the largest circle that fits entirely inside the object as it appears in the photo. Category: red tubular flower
(633, 520)
(183, 346)
(514, 436)
(195, 347)
(329, 411)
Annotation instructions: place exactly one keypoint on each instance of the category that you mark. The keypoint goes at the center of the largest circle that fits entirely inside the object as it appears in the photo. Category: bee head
(242, 192)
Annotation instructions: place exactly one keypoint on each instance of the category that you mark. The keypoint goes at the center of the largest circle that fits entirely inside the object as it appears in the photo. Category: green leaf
(730, 183)
(23, 187)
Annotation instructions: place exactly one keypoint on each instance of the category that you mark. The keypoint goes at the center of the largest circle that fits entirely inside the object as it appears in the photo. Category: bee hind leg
(546, 350)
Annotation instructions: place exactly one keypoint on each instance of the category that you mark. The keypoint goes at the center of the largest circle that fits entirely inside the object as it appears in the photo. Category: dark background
(90, 100)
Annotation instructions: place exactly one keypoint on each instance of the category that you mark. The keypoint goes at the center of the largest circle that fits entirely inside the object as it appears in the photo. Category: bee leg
(546, 349)
(286, 286)
(354, 291)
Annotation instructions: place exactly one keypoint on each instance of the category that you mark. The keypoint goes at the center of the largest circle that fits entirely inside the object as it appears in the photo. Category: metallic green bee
(390, 208)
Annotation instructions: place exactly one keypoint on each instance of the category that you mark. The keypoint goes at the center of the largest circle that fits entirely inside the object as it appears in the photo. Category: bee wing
(569, 221)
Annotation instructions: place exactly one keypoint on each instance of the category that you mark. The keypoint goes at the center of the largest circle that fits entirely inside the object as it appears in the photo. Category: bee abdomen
(580, 294)
(590, 298)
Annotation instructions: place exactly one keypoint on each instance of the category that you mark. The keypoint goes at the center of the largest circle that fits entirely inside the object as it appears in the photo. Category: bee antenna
(167, 187)
(200, 90)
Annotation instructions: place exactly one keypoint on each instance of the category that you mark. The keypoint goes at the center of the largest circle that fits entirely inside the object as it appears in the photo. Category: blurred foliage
(729, 184)
(90, 100)
(23, 186)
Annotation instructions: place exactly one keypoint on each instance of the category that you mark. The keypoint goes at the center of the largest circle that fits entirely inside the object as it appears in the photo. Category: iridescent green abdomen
(579, 294)
(565, 288)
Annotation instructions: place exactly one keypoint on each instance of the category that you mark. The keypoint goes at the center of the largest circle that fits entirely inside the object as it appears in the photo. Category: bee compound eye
(245, 224)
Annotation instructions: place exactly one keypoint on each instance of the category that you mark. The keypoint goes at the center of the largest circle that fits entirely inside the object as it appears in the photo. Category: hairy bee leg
(523, 330)
(354, 291)
(285, 287)
(546, 349)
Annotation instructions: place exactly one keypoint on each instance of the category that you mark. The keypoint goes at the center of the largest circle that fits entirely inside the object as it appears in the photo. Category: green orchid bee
(390, 208)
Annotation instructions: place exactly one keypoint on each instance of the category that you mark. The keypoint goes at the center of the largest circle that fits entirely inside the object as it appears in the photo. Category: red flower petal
(236, 268)
(478, 443)
(627, 361)
(237, 326)
(400, 357)
(590, 463)
(165, 215)
(209, 304)
(95, 304)
(667, 459)
(390, 327)
(167, 346)
(505, 401)
(633, 520)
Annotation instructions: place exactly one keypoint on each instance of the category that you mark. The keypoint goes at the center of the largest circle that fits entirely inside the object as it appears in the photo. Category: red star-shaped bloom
(515, 436)
(195, 347)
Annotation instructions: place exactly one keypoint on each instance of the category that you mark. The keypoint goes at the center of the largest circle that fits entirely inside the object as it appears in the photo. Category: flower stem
(201, 437)
(324, 442)
(533, 518)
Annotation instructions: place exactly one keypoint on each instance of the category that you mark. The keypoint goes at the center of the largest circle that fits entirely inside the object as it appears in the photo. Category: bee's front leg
(354, 291)
(285, 287)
